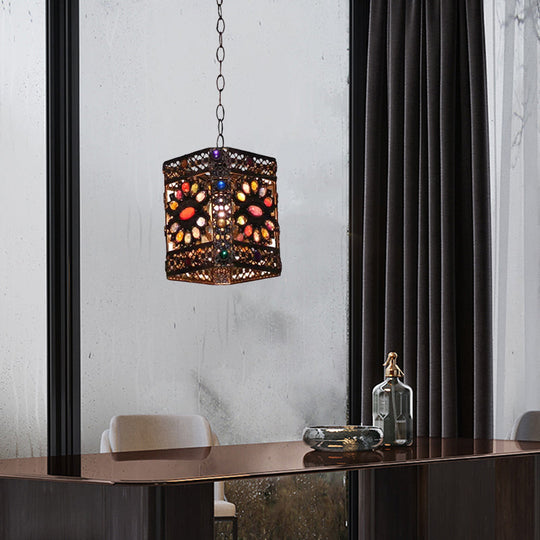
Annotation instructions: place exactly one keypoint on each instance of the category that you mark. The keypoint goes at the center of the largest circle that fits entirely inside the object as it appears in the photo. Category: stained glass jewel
(255, 210)
(221, 217)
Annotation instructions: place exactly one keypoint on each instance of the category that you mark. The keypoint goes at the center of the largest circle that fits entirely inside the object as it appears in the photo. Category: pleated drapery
(425, 261)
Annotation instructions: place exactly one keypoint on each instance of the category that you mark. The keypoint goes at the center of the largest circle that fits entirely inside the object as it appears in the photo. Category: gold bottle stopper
(392, 369)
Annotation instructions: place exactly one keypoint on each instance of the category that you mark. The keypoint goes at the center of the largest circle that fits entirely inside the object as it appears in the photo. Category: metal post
(63, 266)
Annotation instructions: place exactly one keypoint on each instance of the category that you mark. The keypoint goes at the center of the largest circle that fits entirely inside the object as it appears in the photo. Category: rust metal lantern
(221, 217)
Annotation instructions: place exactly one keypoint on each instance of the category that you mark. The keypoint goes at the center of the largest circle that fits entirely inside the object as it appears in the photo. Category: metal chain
(220, 81)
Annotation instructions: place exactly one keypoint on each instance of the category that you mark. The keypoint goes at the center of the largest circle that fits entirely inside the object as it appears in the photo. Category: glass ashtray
(343, 438)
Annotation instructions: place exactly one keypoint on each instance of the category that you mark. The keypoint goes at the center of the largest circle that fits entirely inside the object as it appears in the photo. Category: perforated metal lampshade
(221, 217)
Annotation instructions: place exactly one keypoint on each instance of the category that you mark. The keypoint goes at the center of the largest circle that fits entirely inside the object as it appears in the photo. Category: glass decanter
(393, 406)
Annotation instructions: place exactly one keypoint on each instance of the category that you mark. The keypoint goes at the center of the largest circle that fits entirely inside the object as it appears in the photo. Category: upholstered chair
(160, 431)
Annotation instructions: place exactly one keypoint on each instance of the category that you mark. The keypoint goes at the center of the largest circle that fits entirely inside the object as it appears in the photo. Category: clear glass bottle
(393, 406)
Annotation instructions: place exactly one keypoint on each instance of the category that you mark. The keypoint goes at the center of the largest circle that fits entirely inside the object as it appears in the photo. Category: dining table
(436, 488)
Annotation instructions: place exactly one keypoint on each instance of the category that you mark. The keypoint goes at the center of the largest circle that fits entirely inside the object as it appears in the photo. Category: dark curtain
(424, 265)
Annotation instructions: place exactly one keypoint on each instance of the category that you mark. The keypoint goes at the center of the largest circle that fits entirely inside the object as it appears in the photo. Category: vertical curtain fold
(426, 244)
(482, 271)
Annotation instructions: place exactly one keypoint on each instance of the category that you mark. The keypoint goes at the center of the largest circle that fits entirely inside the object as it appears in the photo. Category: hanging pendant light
(221, 217)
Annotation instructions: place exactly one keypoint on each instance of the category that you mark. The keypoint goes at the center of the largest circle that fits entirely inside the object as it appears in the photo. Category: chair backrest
(158, 431)
(105, 443)
(128, 428)
(527, 427)
(219, 488)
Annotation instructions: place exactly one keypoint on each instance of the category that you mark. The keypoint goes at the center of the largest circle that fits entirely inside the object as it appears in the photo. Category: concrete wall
(513, 54)
(23, 374)
(261, 360)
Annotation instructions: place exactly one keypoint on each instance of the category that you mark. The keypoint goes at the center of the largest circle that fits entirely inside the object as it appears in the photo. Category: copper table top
(188, 465)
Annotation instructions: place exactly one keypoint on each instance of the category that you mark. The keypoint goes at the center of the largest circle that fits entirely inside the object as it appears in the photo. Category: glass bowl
(343, 438)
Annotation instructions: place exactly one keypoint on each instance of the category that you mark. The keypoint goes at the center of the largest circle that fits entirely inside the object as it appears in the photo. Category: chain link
(220, 81)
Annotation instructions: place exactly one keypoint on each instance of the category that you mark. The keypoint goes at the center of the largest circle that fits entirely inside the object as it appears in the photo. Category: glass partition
(294, 506)
(23, 313)
(260, 360)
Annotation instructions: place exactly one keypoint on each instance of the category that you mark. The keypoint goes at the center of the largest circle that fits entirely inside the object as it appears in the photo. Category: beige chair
(527, 427)
(160, 431)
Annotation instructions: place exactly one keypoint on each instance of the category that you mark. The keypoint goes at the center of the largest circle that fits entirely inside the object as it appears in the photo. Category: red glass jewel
(268, 202)
(185, 187)
(248, 231)
(187, 213)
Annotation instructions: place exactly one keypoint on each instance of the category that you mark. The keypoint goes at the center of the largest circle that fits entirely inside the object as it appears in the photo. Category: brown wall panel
(41, 510)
